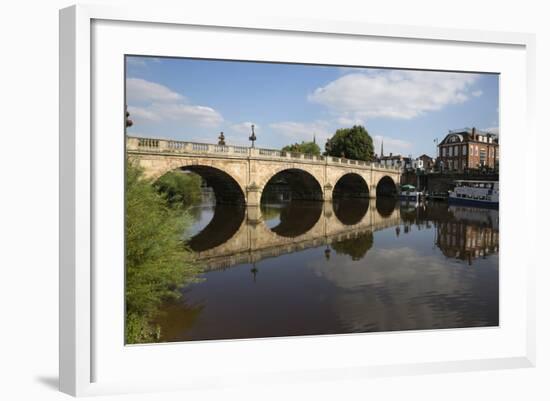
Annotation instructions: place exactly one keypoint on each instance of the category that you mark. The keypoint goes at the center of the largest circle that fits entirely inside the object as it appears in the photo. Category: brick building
(427, 162)
(468, 149)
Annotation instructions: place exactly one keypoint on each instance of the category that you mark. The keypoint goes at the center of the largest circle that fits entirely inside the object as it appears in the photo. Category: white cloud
(300, 131)
(477, 93)
(139, 90)
(181, 112)
(391, 145)
(152, 102)
(244, 128)
(392, 94)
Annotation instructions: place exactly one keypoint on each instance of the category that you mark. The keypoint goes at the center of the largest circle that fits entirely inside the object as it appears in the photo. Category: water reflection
(225, 221)
(350, 211)
(291, 218)
(386, 205)
(356, 247)
(320, 268)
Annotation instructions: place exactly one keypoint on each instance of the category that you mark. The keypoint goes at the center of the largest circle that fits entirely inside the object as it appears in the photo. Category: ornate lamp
(252, 137)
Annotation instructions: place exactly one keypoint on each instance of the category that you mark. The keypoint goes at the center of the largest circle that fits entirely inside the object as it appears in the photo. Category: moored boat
(479, 193)
(409, 192)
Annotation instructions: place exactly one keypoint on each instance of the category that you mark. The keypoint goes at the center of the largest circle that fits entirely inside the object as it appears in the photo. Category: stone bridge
(247, 238)
(240, 174)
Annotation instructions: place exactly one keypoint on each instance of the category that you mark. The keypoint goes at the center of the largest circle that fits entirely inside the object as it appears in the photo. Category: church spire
(314, 138)
(382, 148)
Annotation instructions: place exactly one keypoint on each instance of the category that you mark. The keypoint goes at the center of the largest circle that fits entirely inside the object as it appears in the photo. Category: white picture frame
(89, 362)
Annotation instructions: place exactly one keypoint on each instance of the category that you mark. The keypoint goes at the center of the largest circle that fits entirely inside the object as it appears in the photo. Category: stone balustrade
(135, 144)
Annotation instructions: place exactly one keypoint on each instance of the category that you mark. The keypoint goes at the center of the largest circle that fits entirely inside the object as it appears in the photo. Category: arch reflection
(385, 206)
(291, 219)
(350, 211)
(226, 221)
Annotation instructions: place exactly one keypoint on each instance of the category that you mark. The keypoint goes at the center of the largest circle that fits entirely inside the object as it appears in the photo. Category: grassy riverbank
(158, 263)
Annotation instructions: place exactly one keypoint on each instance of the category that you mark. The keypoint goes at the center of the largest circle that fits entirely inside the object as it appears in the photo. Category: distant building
(394, 161)
(425, 162)
(468, 148)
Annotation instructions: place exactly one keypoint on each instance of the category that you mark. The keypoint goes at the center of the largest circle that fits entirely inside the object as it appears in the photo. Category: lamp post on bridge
(252, 137)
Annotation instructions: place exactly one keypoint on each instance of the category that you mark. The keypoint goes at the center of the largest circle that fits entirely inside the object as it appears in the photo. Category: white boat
(479, 193)
(409, 192)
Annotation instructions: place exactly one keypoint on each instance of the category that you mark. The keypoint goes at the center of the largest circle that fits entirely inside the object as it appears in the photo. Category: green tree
(180, 189)
(158, 263)
(309, 148)
(351, 143)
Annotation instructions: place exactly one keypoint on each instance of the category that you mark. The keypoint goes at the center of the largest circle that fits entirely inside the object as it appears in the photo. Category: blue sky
(193, 100)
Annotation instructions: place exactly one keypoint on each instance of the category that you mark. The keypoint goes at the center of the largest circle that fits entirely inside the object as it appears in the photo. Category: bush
(158, 263)
(180, 189)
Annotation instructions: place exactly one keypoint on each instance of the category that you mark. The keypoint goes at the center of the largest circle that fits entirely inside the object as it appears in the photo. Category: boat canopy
(407, 187)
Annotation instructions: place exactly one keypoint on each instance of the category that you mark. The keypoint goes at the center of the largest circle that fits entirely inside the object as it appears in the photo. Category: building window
(477, 151)
(482, 155)
(464, 150)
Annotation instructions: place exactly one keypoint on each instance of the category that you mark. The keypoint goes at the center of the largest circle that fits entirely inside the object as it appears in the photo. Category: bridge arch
(226, 188)
(386, 186)
(301, 184)
(350, 185)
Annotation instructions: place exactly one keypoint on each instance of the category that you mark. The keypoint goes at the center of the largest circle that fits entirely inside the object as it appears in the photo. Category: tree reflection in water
(356, 247)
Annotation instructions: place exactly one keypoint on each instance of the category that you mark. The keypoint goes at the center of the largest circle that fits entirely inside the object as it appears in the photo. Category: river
(293, 268)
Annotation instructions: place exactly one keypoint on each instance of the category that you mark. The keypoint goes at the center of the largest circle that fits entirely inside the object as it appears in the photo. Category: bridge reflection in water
(246, 235)
(352, 265)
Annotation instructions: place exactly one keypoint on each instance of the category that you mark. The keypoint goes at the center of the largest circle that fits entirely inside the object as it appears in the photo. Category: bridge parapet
(166, 146)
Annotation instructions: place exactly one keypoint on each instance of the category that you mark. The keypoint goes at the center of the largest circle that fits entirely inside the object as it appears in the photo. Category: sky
(194, 100)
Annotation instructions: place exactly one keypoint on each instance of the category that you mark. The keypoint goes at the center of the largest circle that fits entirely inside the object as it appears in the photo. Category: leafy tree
(180, 189)
(309, 148)
(351, 143)
(157, 261)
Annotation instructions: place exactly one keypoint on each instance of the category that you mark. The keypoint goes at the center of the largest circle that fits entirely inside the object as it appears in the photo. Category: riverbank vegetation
(181, 189)
(158, 263)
